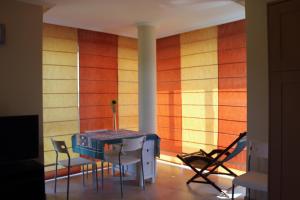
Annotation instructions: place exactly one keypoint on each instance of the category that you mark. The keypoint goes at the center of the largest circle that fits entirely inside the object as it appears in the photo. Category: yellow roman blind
(128, 83)
(199, 87)
(60, 87)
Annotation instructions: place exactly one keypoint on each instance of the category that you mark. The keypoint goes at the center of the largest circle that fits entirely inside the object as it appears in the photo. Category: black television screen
(19, 138)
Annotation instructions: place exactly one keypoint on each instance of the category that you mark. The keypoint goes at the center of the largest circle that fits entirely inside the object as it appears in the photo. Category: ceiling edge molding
(241, 2)
(45, 6)
(146, 24)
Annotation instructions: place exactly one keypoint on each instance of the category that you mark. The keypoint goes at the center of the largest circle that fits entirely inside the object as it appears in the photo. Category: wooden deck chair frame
(213, 160)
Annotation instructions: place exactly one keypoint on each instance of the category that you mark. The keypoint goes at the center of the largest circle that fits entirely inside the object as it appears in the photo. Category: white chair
(60, 147)
(252, 179)
(130, 152)
(102, 162)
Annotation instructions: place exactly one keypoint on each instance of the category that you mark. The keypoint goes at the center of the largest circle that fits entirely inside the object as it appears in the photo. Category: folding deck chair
(205, 164)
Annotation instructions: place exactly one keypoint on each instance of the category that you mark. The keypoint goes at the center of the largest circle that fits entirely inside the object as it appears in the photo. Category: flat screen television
(19, 138)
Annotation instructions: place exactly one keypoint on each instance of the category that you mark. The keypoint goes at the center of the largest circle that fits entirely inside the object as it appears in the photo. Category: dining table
(93, 144)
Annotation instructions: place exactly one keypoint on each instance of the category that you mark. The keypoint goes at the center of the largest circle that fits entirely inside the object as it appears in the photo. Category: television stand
(23, 179)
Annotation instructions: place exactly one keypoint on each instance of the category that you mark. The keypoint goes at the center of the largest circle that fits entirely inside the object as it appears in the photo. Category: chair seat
(76, 162)
(198, 161)
(127, 159)
(253, 180)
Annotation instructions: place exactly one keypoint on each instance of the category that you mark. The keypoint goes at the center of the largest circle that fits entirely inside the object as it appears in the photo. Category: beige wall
(257, 78)
(21, 61)
(257, 60)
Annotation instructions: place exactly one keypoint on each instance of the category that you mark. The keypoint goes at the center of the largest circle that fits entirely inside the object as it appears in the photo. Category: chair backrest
(240, 145)
(258, 149)
(60, 146)
(133, 144)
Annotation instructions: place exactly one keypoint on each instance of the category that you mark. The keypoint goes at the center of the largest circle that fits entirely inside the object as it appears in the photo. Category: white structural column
(147, 77)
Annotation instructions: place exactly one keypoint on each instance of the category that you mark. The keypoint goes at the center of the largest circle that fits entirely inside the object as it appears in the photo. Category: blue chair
(205, 164)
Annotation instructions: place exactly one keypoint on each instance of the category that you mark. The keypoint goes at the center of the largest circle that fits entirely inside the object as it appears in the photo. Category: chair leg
(113, 169)
(227, 169)
(123, 170)
(212, 183)
(68, 182)
(55, 178)
(193, 178)
(248, 193)
(143, 174)
(96, 173)
(102, 181)
(83, 175)
(232, 193)
(121, 180)
(87, 171)
(204, 176)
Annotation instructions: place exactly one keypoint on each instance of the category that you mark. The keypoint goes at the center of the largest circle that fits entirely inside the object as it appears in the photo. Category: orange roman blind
(98, 61)
(169, 117)
(232, 86)
(60, 93)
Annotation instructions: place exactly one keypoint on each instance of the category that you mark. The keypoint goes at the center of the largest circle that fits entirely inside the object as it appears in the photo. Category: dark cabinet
(284, 73)
(22, 180)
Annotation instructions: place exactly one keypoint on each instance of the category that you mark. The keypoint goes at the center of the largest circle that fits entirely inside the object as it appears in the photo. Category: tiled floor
(170, 185)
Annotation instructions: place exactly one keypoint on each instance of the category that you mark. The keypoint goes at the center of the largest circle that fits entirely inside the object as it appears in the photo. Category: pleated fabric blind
(169, 121)
(98, 64)
(199, 84)
(127, 83)
(232, 86)
(60, 93)
(202, 91)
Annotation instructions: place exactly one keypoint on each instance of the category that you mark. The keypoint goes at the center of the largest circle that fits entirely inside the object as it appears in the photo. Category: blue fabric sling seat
(205, 164)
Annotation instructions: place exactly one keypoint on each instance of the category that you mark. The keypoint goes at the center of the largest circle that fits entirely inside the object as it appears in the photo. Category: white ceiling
(121, 16)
